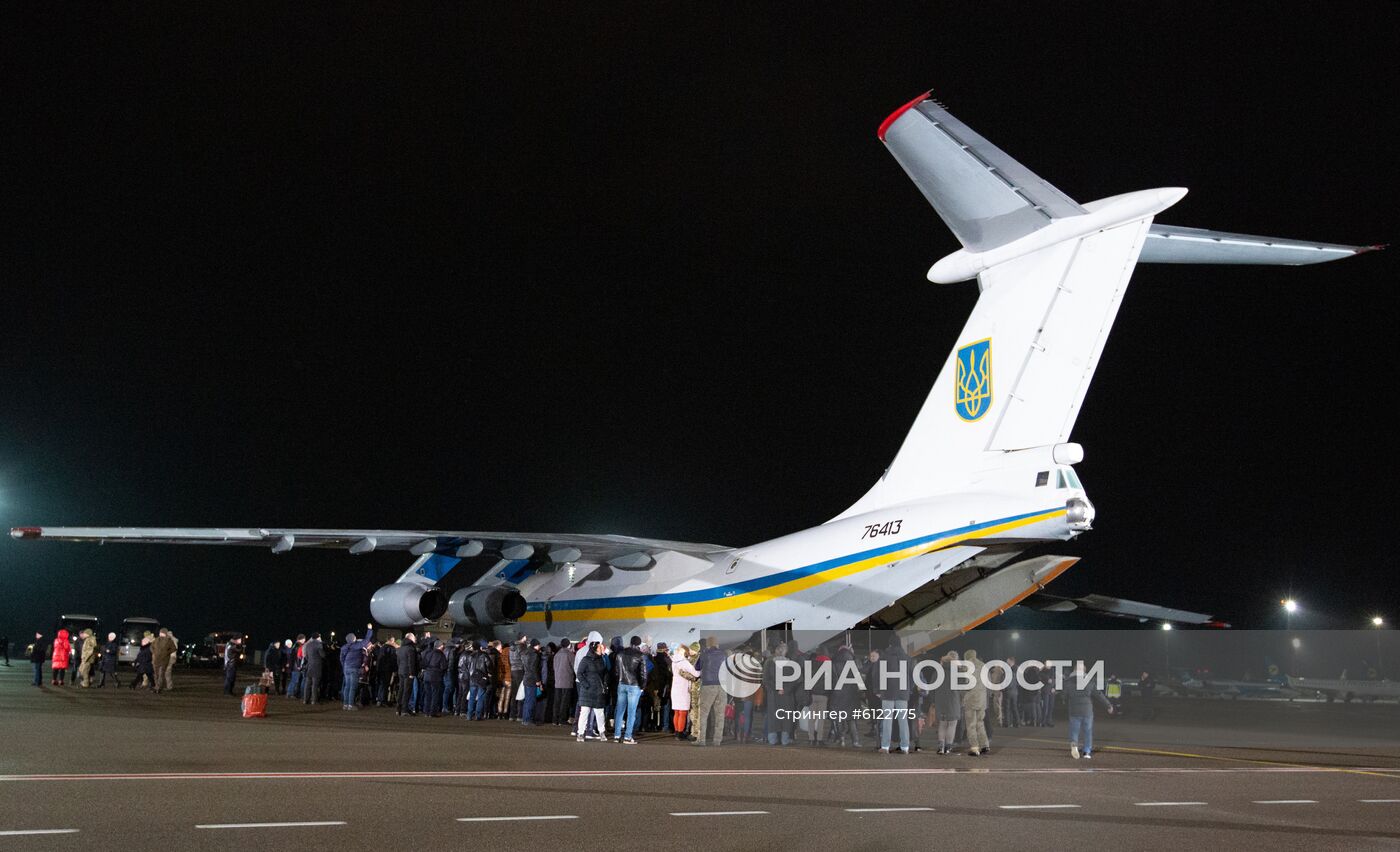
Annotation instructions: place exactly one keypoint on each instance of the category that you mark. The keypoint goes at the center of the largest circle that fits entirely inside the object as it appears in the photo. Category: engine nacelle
(407, 604)
(486, 606)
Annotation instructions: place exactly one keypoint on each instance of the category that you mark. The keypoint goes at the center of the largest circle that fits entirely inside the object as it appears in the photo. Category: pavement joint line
(24, 832)
(1285, 801)
(515, 818)
(271, 824)
(716, 813)
(883, 810)
(1165, 804)
(1034, 807)
(1382, 772)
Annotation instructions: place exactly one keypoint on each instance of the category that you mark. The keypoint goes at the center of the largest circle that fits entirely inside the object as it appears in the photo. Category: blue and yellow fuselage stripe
(769, 587)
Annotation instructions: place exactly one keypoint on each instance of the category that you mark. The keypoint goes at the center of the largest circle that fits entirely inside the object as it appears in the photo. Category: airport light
(1290, 606)
(1297, 643)
(1015, 634)
(1377, 621)
(1166, 625)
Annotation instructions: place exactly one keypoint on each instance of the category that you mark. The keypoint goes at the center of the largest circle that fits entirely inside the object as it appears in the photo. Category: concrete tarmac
(116, 769)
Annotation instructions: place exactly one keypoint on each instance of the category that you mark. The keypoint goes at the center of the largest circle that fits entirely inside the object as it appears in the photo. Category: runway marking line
(1034, 807)
(515, 818)
(23, 832)
(1377, 771)
(270, 824)
(1377, 801)
(1164, 804)
(716, 813)
(1285, 801)
(883, 810)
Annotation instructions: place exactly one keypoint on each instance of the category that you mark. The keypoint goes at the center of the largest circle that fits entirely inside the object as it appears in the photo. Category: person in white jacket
(683, 674)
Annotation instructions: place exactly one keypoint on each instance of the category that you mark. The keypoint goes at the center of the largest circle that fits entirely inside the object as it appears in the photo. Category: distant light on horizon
(1377, 621)
(1166, 625)
(1289, 605)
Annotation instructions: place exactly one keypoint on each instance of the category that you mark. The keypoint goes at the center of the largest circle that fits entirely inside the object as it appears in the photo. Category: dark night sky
(645, 269)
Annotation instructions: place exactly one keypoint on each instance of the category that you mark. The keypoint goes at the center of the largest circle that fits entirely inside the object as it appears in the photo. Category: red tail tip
(894, 116)
(26, 532)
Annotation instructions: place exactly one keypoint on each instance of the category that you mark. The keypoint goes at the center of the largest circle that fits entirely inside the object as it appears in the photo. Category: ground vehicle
(133, 628)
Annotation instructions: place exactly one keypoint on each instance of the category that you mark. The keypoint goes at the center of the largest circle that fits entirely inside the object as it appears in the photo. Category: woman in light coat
(683, 674)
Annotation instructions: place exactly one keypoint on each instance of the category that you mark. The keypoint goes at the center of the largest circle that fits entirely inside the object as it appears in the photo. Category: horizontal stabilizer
(1117, 607)
(1170, 244)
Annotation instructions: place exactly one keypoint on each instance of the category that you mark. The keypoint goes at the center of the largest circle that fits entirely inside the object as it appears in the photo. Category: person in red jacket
(62, 648)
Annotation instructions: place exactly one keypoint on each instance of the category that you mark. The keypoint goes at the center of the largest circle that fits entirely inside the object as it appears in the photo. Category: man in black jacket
(313, 661)
(481, 676)
(37, 655)
(531, 678)
(631, 666)
(408, 669)
(434, 664)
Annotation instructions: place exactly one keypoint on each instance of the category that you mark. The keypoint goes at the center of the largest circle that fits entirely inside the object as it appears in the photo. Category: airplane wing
(1173, 244)
(1118, 608)
(618, 550)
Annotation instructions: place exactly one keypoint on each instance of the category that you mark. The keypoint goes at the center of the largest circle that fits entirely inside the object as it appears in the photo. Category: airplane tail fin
(1052, 273)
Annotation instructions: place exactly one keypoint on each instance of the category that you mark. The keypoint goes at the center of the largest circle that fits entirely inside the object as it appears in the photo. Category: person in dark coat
(313, 663)
(231, 654)
(434, 664)
(591, 680)
(894, 696)
(407, 658)
(386, 664)
(845, 698)
(272, 661)
(145, 668)
(352, 662)
(778, 721)
(947, 705)
(658, 689)
(37, 655)
(449, 676)
(76, 655)
(482, 677)
(108, 664)
(532, 678)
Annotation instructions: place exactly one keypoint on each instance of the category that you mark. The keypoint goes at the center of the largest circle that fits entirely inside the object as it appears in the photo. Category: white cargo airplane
(984, 474)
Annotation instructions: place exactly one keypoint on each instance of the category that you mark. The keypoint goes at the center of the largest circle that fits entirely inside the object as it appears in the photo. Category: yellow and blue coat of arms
(972, 390)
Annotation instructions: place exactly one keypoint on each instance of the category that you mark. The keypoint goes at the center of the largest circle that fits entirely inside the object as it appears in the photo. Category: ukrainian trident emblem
(972, 390)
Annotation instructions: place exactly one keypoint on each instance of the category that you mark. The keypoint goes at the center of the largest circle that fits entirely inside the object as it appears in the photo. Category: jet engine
(486, 606)
(407, 604)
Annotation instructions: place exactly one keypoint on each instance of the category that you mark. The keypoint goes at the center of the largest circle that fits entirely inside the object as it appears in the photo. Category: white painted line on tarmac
(883, 810)
(717, 813)
(515, 818)
(1164, 804)
(21, 832)
(270, 824)
(1033, 807)
(1286, 802)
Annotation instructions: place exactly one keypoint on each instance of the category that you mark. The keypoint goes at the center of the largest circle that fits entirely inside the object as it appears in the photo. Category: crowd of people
(591, 688)
(72, 660)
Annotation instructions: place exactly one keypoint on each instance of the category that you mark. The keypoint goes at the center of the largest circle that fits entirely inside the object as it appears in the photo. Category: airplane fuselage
(824, 579)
